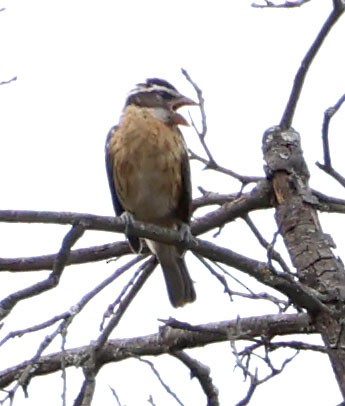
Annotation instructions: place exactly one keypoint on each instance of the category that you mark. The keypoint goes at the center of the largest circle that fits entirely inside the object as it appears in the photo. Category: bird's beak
(178, 102)
(178, 119)
(181, 101)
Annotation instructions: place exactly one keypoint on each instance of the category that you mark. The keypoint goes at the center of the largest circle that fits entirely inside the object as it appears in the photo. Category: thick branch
(168, 340)
(258, 198)
(309, 248)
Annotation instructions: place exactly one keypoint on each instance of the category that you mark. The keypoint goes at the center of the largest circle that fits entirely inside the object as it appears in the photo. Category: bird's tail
(179, 283)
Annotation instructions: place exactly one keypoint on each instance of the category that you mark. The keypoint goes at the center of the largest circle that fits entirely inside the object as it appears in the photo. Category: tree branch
(287, 4)
(286, 120)
(7, 304)
(203, 375)
(327, 165)
(168, 340)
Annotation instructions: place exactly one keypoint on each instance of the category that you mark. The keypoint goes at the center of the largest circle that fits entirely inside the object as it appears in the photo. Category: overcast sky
(76, 60)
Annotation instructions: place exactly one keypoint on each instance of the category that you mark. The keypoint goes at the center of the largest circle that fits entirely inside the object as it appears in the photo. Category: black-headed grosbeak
(149, 175)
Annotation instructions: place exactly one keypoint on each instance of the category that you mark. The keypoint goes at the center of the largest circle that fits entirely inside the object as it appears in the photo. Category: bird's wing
(184, 207)
(109, 162)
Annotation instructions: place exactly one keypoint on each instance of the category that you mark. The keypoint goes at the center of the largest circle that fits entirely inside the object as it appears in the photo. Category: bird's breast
(147, 167)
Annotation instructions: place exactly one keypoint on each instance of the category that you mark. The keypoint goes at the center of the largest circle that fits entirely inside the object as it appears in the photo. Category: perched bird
(149, 175)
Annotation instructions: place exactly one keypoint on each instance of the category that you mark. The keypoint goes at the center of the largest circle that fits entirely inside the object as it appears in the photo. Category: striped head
(161, 98)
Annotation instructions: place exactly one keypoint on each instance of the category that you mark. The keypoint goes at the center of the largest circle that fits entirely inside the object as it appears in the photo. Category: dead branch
(6, 82)
(287, 4)
(7, 304)
(161, 380)
(337, 11)
(203, 374)
(327, 165)
(169, 339)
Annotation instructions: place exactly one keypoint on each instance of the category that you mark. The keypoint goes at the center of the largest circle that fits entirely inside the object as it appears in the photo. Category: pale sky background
(75, 62)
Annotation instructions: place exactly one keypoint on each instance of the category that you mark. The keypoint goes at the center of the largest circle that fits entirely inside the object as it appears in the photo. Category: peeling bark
(309, 248)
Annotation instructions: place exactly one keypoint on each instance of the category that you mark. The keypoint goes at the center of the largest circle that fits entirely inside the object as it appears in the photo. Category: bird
(149, 176)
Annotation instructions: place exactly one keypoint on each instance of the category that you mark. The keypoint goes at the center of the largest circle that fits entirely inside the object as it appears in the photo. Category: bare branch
(329, 204)
(69, 315)
(115, 396)
(243, 362)
(150, 400)
(7, 304)
(219, 277)
(87, 391)
(287, 4)
(258, 198)
(168, 340)
(201, 100)
(122, 295)
(296, 292)
(160, 379)
(144, 272)
(245, 180)
(37, 327)
(271, 252)
(327, 165)
(210, 162)
(203, 375)
(212, 198)
(6, 82)
(78, 256)
(289, 112)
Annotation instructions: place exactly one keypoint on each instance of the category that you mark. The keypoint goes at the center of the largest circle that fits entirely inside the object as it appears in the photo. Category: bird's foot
(186, 234)
(134, 241)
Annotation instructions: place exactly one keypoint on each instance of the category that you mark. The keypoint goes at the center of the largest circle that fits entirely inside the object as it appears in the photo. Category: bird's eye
(166, 96)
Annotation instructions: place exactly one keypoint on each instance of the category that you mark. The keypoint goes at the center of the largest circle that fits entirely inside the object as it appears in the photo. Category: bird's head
(162, 99)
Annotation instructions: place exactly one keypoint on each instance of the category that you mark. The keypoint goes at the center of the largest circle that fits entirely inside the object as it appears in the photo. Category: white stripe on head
(144, 88)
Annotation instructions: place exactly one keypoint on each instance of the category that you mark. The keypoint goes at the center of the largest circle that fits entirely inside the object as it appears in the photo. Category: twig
(69, 240)
(329, 204)
(160, 379)
(271, 252)
(37, 327)
(201, 100)
(203, 375)
(7, 304)
(115, 396)
(118, 300)
(210, 162)
(253, 376)
(27, 373)
(296, 345)
(6, 82)
(287, 4)
(220, 278)
(212, 198)
(145, 271)
(151, 401)
(74, 310)
(286, 120)
(327, 165)
(245, 180)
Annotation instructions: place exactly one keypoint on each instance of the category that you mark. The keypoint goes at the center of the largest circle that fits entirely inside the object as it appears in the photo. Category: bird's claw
(134, 242)
(186, 234)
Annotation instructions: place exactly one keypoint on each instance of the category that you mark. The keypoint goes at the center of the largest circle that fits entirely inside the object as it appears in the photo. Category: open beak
(181, 101)
(178, 102)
